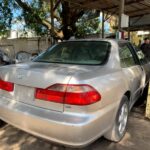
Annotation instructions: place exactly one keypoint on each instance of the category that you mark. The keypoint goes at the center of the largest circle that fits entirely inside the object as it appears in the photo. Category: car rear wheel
(2, 123)
(117, 132)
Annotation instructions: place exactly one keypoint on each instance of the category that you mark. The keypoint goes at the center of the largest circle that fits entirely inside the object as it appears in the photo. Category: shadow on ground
(136, 138)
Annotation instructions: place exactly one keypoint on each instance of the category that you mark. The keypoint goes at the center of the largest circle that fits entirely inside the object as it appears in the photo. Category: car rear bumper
(75, 130)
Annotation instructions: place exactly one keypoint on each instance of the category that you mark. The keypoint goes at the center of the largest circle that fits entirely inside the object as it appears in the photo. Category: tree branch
(44, 22)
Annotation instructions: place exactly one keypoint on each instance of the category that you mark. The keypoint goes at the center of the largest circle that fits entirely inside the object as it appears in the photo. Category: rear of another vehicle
(60, 95)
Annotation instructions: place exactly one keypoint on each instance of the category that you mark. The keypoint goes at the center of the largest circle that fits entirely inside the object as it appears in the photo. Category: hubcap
(123, 117)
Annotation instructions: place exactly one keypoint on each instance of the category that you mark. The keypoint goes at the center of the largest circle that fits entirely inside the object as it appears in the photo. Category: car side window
(126, 57)
(141, 56)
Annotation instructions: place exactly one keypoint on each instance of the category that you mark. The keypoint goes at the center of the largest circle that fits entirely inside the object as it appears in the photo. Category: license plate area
(24, 94)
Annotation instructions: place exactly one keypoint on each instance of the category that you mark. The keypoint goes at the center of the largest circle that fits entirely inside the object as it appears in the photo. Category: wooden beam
(74, 3)
(137, 28)
(126, 3)
(141, 14)
(146, 5)
(136, 11)
(94, 3)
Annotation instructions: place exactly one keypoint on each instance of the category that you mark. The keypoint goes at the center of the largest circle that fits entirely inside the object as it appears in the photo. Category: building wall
(21, 34)
(31, 45)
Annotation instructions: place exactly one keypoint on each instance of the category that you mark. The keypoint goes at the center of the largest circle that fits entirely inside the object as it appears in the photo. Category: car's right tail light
(7, 86)
(72, 94)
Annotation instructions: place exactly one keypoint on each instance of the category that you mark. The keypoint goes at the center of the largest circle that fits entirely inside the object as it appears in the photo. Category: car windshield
(77, 52)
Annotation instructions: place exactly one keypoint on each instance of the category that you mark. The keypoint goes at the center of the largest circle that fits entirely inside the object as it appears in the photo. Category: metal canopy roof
(133, 8)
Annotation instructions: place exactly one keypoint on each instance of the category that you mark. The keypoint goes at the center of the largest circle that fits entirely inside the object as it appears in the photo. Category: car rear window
(77, 52)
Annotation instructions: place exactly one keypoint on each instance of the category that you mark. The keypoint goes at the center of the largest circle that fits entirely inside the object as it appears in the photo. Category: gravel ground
(136, 138)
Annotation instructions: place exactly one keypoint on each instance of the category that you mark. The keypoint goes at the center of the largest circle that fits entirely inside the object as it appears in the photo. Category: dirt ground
(136, 138)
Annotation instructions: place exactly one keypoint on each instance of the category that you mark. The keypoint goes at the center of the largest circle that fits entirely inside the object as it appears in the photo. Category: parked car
(23, 56)
(75, 92)
(4, 58)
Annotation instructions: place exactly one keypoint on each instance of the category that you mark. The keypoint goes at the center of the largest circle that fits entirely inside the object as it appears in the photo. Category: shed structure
(137, 10)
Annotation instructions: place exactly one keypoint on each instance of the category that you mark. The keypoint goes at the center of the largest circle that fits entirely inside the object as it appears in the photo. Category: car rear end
(49, 101)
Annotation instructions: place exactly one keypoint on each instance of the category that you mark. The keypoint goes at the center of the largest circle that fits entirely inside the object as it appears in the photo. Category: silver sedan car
(75, 92)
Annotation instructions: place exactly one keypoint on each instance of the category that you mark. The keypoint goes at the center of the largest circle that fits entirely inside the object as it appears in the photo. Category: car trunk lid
(28, 77)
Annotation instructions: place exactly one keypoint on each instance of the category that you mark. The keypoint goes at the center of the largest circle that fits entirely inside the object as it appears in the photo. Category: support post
(129, 34)
(121, 11)
(103, 24)
(52, 21)
(148, 105)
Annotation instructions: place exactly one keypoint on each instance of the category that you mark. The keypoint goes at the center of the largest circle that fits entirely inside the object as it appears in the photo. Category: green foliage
(5, 16)
(86, 27)
(40, 9)
(36, 15)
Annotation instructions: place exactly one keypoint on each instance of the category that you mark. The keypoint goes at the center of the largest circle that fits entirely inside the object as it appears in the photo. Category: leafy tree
(37, 16)
(5, 16)
(85, 27)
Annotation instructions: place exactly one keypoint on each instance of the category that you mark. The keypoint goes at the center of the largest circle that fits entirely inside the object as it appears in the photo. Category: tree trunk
(66, 20)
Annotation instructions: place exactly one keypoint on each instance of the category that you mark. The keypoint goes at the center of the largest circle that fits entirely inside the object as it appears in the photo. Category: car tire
(2, 123)
(117, 132)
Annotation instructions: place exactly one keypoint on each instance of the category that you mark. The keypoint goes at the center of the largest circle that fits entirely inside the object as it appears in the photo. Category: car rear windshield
(77, 52)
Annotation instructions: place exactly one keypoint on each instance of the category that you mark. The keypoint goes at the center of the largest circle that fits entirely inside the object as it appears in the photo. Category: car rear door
(134, 73)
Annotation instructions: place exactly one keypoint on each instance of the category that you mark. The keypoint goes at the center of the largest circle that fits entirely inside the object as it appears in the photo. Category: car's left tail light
(7, 86)
(69, 94)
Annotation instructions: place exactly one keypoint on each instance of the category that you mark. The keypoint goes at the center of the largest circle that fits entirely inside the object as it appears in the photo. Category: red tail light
(7, 86)
(69, 94)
